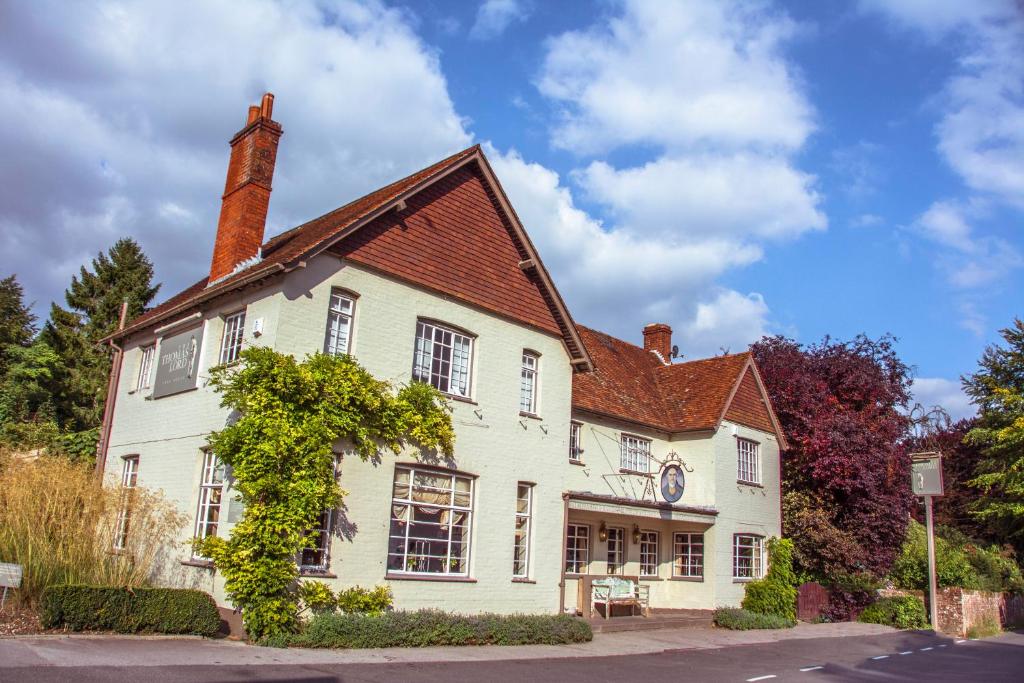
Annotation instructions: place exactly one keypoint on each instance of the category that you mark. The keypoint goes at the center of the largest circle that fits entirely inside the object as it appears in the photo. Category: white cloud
(495, 16)
(970, 261)
(678, 75)
(117, 118)
(867, 220)
(936, 391)
(729, 321)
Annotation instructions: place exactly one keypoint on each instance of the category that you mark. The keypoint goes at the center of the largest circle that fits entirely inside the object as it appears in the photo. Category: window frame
(231, 340)
(410, 504)
(757, 559)
(577, 566)
(619, 568)
(689, 569)
(419, 351)
(349, 317)
(575, 441)
(646, 555)
(129, 480)
(748, 461)
(324, 525)
(529, 375)
(144, 380)
(209, 488)
(625, 452)
(523, 568)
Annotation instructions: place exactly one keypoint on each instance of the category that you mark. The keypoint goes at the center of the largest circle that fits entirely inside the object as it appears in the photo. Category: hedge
(739, 619)
(434, 627)
(903, 611)
(130, 610)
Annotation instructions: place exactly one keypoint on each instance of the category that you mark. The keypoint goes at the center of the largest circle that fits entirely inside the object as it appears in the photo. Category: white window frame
(410, 505)
(688, 555)
(323, 530)
(635, 453)
(232, 337)
(145, 367)
(529, 384)
(740, 569)
(575, 441)
(443, 358)
(577, 556)
(748, 461)
(338, 342)
(649, 552)
(616, 546)
(524, 516)
(211, 499)
(129, 480)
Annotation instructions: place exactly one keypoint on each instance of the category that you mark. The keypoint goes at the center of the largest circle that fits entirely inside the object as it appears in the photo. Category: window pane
(431, 533)
(442, 358)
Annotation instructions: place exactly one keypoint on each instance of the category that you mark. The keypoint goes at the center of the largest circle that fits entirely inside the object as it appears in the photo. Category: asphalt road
(902, 656)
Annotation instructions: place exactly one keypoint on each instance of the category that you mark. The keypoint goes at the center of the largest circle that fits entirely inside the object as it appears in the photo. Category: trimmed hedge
(434, 627)
(902, 611)
(739, 619)
(130, 610)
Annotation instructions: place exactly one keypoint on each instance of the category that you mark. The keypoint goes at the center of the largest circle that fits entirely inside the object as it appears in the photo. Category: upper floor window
(524, 514)
(528, 383)
(231, 342)
(129, 479)
(575, 449)
(339, 323)
(636, 453)
(748, 466)
(146, 367)
(430, 522)
(211, 490)
(747, 556)
(442, 358)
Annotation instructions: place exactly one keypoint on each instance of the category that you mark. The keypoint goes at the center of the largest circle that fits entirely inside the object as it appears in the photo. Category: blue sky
(733, 169)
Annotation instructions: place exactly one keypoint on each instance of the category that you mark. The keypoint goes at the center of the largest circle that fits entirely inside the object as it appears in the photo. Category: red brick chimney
(658, 338)
(243, 210)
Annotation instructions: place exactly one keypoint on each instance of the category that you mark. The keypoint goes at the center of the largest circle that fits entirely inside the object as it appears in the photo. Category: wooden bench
(620, 590)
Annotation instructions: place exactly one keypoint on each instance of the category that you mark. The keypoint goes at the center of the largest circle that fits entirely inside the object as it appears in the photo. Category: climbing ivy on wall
(290, 414)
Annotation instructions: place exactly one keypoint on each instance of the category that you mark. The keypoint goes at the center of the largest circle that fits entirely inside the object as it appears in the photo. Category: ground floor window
(616, 550)
(747, 556)
(129, 478)
(648, 553)
(211, 490)
(315, 558)
(577, 549)
(688, 555)
(524, 513)
(430, 522)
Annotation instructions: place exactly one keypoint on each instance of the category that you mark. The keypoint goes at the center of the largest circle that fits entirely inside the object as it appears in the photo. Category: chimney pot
(267, 106)
(254, 113)
(658, 338)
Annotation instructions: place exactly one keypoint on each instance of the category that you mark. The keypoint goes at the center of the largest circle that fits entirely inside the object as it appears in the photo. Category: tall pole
(932, 595)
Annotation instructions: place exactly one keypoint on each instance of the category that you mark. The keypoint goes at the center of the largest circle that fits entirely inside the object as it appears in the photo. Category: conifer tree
(17, 323)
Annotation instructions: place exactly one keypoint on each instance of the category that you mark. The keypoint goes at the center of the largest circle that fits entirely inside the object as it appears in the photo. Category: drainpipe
(108, 407)
(565, 539)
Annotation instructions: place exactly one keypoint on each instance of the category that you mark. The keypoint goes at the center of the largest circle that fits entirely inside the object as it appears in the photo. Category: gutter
(565, 539)
(112, 384)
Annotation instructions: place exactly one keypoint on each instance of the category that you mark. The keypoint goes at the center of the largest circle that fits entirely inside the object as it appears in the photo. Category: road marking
(925, 649)
(760, 678)
(960, 641)
(908, 652)
(881, 657)
(943, 645)
(812, 668)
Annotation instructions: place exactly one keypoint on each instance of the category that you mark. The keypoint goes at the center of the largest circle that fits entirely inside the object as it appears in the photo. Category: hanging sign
(926, 474)
(673, 481)
(177, 363)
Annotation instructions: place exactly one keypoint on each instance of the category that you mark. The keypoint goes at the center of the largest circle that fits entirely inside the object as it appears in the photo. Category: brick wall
(959, 610)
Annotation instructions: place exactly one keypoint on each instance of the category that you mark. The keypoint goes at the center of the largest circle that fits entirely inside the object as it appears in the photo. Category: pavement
(808, 652)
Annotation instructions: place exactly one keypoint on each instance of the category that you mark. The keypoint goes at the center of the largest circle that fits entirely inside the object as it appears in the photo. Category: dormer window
(443, 358)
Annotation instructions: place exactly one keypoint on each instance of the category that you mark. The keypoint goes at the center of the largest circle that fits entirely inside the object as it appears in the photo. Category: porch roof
(615, 505)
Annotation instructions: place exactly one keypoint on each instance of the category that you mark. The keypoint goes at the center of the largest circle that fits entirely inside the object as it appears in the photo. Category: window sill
(736, 580)
(640, 473)
(460, 399)
(578, 463)
(532, 416)
(202, 564)
(571, 575)
(316, 574)
(516, 579)
(651, 578)
(753, 484)
(691, 579)
(429, 577)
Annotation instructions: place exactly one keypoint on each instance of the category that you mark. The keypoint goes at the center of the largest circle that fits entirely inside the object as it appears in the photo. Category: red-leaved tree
(846, 475)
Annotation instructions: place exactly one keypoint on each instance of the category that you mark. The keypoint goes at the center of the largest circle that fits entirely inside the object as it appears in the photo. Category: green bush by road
(130, 610)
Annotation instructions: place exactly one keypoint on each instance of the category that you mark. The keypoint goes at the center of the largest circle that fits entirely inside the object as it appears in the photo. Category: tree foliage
(290, 417)
(846, 475)
(997, 388)
(17, 322)
(776, 592)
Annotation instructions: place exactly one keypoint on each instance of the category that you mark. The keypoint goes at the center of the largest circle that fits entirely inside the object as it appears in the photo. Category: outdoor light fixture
(636, 533)
(602, 533)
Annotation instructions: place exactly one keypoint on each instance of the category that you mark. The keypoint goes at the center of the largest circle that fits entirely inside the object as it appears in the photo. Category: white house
(577, 455)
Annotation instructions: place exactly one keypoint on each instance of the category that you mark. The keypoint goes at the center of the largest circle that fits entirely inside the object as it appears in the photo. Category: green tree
(17, 323)
(290, 417)
(123, 273)
(997, 388)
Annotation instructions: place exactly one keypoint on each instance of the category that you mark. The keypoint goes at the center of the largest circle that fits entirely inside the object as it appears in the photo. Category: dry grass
(59, 522)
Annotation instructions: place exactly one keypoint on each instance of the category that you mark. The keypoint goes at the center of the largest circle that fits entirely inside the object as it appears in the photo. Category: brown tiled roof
(632, 384)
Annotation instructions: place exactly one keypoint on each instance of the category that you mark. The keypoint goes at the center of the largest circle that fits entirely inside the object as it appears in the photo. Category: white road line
(908, 652)
(925, 649)
(881, 657)
(960, 641)
(943, 645)
(812, 668)
(760, 678)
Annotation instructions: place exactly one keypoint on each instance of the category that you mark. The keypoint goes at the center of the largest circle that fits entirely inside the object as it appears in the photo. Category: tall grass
(59, 522)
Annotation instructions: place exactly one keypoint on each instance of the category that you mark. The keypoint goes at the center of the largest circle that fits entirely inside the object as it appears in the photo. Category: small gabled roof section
(337, 231)
(634, 385)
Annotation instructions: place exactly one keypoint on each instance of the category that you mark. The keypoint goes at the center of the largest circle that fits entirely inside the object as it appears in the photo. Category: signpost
(10, 577)
(926, 481)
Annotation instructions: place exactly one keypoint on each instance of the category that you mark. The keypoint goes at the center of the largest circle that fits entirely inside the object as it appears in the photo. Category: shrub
(776, 592)
(744, 620)
(910, 570)
(434, 627)
(903, 611)
(358, 600)
(127, 610)
(58, 521)
(985, 628)
(849, 594)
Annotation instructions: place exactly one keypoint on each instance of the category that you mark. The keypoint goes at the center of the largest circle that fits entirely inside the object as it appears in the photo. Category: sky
(733, 169)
